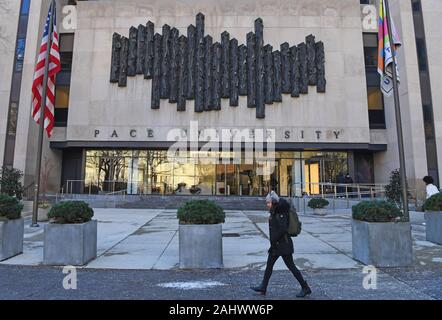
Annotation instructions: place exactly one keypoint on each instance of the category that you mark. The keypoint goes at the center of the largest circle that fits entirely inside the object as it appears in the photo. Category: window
(61, 105)
(62, 97)
(416, 6)
(153, 172)
(63, 81)
(19, 54)
(370, 49)
(14, 97)
(25, 7)
(421, 54)
(375, 99)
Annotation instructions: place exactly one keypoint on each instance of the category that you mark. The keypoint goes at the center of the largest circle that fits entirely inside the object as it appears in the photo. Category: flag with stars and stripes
(53, 69)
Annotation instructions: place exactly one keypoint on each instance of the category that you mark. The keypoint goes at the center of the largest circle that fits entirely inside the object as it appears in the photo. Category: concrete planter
(70, 244)
(11, 238)
(433, 226)
(43, 214)
(382, 244)
(320, 211)
(201, 246)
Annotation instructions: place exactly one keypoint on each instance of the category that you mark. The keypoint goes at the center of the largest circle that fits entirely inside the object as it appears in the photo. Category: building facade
(115, 108)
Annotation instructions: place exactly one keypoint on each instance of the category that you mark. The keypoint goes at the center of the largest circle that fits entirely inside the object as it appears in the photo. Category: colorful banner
(385, 56)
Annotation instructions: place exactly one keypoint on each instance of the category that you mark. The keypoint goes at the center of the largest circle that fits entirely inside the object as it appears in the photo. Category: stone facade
(91, 92)
(97, 105)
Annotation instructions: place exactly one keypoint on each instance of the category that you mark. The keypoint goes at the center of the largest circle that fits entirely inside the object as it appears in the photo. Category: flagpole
(42, 119)
(397, 109)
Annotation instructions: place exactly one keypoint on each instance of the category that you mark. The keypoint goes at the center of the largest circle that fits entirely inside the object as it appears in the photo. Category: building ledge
(289, 146)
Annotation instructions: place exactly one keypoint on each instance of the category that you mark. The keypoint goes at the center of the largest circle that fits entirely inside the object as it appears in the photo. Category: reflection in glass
(151, 172)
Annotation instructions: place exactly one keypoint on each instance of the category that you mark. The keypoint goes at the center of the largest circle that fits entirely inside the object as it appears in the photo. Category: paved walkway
(148, 239)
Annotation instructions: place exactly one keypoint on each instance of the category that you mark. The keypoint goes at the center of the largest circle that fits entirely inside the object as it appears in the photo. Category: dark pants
(288, 260)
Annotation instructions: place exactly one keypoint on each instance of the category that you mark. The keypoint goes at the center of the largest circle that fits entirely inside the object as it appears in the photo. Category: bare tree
(45, 174)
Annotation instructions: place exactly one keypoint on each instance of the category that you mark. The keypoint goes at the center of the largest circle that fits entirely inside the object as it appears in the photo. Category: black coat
(281, 243)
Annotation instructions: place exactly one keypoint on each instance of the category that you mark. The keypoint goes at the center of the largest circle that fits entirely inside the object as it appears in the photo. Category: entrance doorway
(225, 180)
(153, 172)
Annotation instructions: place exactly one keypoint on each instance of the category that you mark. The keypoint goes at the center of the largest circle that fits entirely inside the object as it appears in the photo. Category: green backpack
(295, 225)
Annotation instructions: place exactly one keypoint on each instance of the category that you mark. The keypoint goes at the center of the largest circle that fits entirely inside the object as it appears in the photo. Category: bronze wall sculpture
(192, 67)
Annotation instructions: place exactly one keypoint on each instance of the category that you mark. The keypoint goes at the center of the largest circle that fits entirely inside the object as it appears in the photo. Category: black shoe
(261, 290)
(305, 291)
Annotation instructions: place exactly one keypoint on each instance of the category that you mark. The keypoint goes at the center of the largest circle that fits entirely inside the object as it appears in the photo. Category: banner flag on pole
(385, 56)
(54, 68)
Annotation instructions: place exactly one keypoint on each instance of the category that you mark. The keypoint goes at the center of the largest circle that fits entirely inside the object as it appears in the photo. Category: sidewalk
(147, 239)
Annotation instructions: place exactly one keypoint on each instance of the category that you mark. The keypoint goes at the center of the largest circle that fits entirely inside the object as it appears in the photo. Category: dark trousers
(288, 260)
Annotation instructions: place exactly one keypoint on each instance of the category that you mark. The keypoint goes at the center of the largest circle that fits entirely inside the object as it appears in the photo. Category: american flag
(54, 68)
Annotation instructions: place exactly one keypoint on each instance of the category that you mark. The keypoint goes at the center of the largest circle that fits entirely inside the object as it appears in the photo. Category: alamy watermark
(223, 146)
(69, 18)
(370, 281)
(70, 280)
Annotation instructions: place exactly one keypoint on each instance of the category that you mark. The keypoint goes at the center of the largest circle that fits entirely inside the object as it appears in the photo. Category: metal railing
(109, 187)
(300, 189)
(350, 195)
(29, 191)
(340, 195)
(115, 193)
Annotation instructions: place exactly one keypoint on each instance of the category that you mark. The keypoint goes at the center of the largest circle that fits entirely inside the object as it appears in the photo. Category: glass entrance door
(312, 177)
(226, 180)
(112, 174)
(152, 172)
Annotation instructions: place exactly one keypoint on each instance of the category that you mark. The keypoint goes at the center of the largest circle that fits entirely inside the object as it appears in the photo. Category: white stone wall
(432, 13)
(96, 103)
(9, 13)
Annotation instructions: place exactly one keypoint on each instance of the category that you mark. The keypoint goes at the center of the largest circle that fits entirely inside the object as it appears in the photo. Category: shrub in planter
(376, 211)
(10, 208)
(11, 182)
(434, 203)
(318, 203)
(201, 212)
(433, 218)
(380, 237)
(200, 235)
(71, 238)
(71, 212)
(11, 227)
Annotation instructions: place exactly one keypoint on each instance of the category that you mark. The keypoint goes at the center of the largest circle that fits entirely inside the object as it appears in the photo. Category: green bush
(10, 182)
(434, 203)
(318, 203)
(376, 211)
(201, 212)
(71, 212)
(10, 207)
